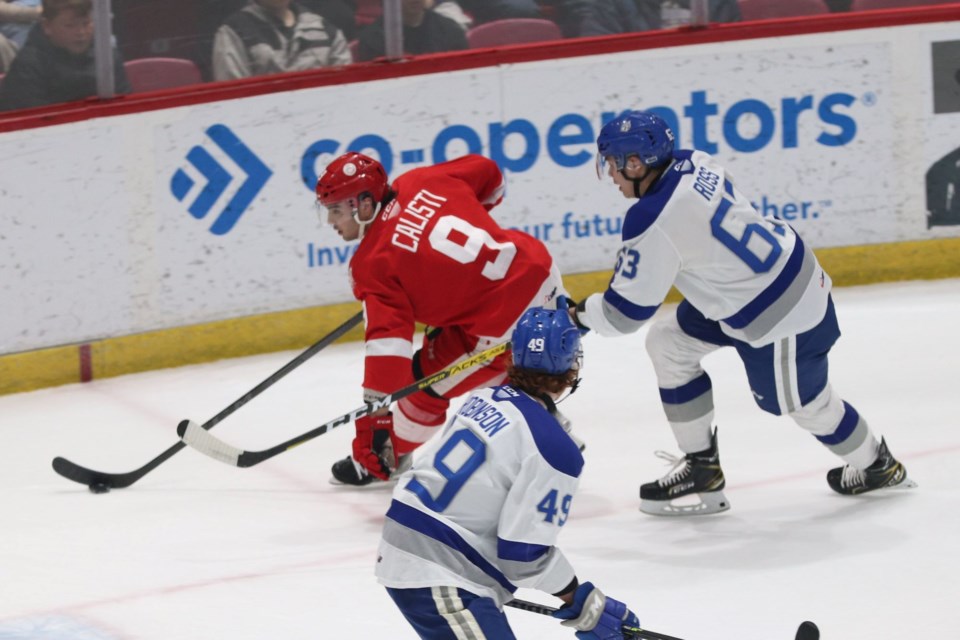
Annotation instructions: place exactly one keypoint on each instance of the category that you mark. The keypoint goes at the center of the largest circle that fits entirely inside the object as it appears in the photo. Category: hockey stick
(628, 632)
(195, 436)
(806, 631)
(102, 479)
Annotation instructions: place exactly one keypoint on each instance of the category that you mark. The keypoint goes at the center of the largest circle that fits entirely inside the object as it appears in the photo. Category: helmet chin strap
(365, 223)
(636, 181)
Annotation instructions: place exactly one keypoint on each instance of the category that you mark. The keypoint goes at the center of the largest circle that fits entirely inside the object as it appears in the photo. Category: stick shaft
(77, 473)
(193, 435)
(542, 609)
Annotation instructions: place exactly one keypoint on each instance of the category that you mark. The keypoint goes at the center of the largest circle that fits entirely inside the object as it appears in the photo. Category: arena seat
(368, 11)
(869, 5)
(152, 74)
(767, 9)
(512, 31)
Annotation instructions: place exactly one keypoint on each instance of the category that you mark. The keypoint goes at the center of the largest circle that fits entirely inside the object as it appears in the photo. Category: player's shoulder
(456, 168)
(470, 160)
(646, 211)
(551, 441)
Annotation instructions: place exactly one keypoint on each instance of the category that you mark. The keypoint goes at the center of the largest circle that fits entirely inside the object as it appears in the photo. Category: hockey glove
(563, 302)
(595, 616)
(373, 447)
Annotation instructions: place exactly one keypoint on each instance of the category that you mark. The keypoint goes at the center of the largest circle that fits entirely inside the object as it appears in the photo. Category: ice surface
(197, 549)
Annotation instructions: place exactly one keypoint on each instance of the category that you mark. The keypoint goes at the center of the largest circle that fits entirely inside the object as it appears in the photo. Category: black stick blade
(82, 475)
(808, 631)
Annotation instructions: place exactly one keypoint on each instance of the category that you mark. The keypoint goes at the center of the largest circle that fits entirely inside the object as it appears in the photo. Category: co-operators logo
(218, 178)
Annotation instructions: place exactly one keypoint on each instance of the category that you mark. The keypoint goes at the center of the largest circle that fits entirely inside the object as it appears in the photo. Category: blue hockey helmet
(546, 340)
(636, 133)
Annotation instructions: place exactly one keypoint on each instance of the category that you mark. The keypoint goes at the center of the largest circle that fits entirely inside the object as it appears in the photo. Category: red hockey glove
(373, 445)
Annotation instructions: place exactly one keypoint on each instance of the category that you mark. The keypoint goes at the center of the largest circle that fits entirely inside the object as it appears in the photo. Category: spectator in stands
(342, 13)
(571, 15)
(452, 9)
(56, 63)
(424, 31)
(8, 51)
(625, 16)
(273, 36)
(16, 19)
(490, 10)
(838, 6)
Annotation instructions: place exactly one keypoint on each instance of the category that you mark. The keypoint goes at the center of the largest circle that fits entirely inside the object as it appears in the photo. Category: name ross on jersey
(706, 183)
(485, 415)
(418, 212)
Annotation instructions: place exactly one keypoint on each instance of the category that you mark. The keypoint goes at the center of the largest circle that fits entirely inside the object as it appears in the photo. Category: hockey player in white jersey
(749, 282)
(479, 513)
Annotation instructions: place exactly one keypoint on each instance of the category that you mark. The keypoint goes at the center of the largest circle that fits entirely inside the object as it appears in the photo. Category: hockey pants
(787, 377)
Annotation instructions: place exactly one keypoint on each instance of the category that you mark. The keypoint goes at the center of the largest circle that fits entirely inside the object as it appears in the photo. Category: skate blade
(370, 486)
(906, 484)
(708, 503)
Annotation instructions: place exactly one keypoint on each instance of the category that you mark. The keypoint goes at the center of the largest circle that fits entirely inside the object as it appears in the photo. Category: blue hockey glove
(595, 616)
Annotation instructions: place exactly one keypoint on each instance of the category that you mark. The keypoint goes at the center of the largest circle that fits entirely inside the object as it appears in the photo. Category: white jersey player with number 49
(749, 282)
(479, 513)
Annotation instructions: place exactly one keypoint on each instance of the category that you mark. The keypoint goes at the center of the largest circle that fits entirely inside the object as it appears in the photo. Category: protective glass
(603, 165)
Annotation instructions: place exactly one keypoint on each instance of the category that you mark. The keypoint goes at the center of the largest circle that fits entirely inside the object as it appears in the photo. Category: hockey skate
(350, 472)
(696, 474)
(885, 473)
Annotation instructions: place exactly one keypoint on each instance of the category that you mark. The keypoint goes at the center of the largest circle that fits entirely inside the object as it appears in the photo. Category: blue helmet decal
(636, 133)
(546, 340)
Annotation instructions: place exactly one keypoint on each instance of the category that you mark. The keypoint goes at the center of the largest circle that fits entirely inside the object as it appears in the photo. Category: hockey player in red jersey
(429, 252)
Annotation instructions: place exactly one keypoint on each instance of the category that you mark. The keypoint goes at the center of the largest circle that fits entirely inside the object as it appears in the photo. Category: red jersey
(435, 255)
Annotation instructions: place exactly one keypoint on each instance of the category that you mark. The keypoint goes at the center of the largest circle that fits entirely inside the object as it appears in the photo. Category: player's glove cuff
(581, 307)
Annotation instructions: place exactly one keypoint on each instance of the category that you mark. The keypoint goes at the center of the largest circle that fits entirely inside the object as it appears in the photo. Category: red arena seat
(512, 31)
(869, 5)
(152, 74)
(766, 9)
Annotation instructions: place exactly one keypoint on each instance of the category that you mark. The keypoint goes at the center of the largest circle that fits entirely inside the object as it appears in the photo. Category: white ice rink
(197, 549)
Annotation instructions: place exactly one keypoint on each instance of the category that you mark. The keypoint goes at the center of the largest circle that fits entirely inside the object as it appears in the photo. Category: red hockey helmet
(350, 175)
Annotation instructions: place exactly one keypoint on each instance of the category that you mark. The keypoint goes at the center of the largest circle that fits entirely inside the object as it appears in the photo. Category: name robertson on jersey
(485, 415)
(418, 212)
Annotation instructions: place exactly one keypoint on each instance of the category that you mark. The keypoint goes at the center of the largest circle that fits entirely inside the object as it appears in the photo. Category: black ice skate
(350, 472)
(696, 474)
(886, 472)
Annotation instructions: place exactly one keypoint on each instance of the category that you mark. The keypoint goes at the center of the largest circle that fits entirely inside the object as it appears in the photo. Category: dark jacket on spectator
(341, 13)
(436, 33)
(625, 16)
(252, 42)
(44, 74)
(571, 15)
(490, 10)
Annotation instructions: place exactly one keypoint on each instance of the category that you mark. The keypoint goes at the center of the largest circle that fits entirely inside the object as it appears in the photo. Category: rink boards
(183, 234)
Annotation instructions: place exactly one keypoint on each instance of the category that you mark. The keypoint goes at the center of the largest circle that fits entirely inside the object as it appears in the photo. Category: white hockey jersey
(482, 507)
(695, 230)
